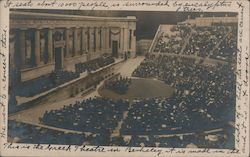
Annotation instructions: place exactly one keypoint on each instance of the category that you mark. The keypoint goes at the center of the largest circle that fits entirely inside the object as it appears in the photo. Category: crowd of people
(227, 50)
(91, 115)
(217, 140)
(19, 132)
(119, 85)
(94, 64)
(26, 133)
(172, 43)
(44, 83)
(216, 41)
(58, 77)
(204, 94)
(204, 97)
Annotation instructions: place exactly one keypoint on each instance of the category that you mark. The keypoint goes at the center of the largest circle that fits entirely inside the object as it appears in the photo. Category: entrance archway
(115, 48)
(58, 59)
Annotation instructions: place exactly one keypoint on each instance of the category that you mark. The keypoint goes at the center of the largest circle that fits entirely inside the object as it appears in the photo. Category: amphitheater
(78, 80)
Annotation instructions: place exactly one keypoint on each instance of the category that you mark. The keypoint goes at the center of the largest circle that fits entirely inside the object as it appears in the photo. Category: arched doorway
(115, 48)
(58, 58)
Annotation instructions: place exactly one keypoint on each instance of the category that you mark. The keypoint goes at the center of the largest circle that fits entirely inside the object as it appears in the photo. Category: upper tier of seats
(216, 41)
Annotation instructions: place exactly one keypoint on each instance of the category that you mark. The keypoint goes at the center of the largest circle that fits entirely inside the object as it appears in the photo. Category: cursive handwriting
(158, 151)
(3, 81)
(194, 6)
(200, 6)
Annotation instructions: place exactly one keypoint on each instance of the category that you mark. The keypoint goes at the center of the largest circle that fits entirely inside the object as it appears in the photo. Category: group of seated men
(94, 64)
(119, 85)
(44, 83)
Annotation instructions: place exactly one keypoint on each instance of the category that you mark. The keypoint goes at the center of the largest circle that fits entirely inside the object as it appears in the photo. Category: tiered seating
(34, 86)
(216, 41)
(204, 95)
(165, 68)
(44, 83)
(92, 115)
(220, 140)
(56, 78)
(61, 77)
(95, 64)
(26, 133)
(119, 85)
(204, 39)
(228, 47)
(156, 116)
(172, 43)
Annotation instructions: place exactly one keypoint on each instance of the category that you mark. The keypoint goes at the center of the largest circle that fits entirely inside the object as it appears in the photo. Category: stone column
(126, 38)
(133, 44)
(94, 39)
(119, 41)
(98, 39)
(75, 50)
(87, 40)
(22, 47)
(91, 40)
(67, 42)
(50, 46)
(122, 40)
(62, 55)
(37, 47)
(107, 40)
(103, 40)
(83, 47)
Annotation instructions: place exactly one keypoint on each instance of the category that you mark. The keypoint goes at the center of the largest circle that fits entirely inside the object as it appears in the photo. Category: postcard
(124, 78)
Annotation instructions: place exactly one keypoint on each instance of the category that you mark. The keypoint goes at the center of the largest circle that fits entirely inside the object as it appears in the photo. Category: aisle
(130, 65)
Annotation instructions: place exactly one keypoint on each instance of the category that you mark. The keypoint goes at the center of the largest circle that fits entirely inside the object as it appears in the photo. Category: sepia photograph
(122, 78)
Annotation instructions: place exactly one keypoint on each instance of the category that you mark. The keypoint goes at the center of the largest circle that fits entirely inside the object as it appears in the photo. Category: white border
(242, 102)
